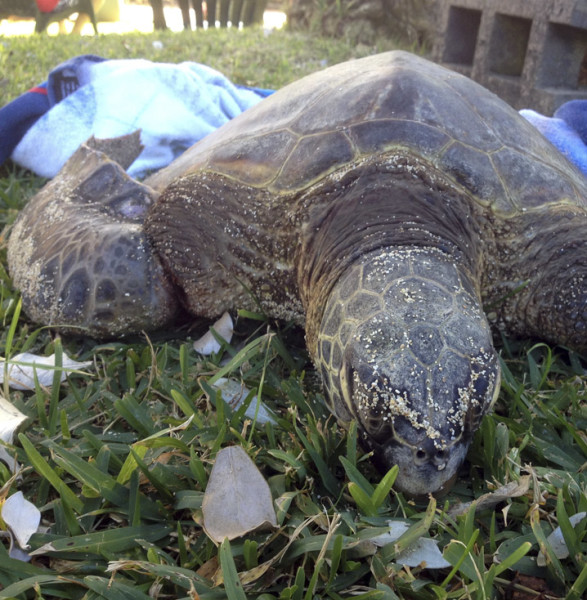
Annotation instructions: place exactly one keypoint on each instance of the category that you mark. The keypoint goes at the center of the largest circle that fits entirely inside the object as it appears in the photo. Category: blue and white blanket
(173, 105)
(566, 130)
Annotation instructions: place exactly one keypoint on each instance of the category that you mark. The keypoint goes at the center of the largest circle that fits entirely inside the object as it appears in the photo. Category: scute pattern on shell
(396, 104)
(79, 254)
(377, 104)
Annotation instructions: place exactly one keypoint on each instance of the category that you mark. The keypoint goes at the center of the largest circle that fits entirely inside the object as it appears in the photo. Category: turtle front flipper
(80, 258)
(541, 291)
(405, 349)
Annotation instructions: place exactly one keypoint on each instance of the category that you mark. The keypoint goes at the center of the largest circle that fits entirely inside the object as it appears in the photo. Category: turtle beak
(424, 469)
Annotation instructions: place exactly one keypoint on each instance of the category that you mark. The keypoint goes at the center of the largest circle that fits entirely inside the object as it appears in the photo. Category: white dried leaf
(44, 549)
(396, 529)
(207, 344)
(21, 517)
(18, 554)
(424, 552)
(237, 500)
(513, 489)
(235, 393)
(557, 541)
(21, 370)
(10, 419)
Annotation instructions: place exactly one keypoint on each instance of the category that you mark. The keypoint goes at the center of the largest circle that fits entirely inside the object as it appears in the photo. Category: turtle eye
(377, 427)
(364, 392)
(372, 418)
(484, 389)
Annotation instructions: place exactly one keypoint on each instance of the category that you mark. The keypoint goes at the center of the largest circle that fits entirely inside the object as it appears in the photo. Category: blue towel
(574, 114)
(17, 117)
(173, 105)
(566, 130)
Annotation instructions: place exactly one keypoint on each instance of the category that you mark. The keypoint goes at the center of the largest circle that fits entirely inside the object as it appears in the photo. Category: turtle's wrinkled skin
(380, 203)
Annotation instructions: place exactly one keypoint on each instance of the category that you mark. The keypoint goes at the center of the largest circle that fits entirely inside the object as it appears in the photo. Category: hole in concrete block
(461, 34)
(582, 81)
(508, 45)
(564, 58)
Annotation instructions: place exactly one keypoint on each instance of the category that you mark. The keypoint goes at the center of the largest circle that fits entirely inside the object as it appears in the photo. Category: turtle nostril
(436, 457)
(441, 458)
(421, 455)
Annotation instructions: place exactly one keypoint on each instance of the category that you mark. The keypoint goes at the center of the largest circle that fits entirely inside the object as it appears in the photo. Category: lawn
(117, 457)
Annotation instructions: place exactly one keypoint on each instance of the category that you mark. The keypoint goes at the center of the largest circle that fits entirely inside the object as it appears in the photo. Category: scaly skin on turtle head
(80, 257)
(405, 349)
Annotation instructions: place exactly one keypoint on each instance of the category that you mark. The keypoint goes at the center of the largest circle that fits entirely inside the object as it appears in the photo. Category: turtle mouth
(423, 469)
(428, 462)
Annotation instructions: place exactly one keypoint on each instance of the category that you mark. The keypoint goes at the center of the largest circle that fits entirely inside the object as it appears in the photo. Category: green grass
(117, 460)
(248, 57)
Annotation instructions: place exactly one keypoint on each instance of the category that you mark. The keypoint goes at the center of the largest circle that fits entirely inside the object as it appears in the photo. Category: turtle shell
(382, 151)
(250, 197)
(394, 101)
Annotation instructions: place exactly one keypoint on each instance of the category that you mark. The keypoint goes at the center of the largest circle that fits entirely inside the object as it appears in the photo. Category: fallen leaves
(10, 420)
(423, 552)
(22, 368)
(235, 394)
(557, 541)
(20, 372)
(513, 489)
(208, 343)
(237, 500)
(20, 518)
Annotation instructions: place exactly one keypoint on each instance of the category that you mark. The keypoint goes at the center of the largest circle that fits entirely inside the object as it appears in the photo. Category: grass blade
(44, 470)
(105, 542)
(384, 487)
(232, 584)
(578, 588)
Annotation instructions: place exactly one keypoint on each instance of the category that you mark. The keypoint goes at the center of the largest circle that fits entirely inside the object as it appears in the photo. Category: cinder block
(531, 53)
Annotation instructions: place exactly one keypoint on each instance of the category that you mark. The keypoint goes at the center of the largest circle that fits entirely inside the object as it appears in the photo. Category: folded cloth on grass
(173, 105)
(566, 130)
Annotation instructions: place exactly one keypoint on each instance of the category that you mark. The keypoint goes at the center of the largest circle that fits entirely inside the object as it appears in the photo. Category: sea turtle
(380, 203)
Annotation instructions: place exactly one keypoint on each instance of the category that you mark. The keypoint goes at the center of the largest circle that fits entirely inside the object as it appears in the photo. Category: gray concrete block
(531, 53)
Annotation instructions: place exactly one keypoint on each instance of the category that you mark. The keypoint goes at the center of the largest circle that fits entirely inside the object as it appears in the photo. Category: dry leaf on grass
(22, 519)
(557, 541)
(424, 552)
(21, 370)
(513, 489)
(235, 393)
(237, 500)
(208, 344)
(10, 419)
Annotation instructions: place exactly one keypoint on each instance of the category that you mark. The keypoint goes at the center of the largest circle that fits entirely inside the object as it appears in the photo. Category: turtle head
(79, 255)
(405, 350)
(414, 414)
